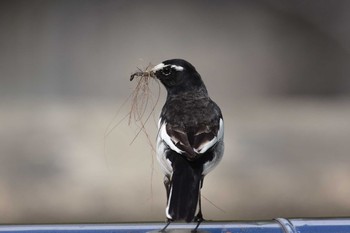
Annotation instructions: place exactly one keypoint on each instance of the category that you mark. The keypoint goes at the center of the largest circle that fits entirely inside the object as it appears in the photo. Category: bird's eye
(166, 70)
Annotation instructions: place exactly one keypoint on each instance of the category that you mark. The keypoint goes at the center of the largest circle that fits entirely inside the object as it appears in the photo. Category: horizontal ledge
(279, 225)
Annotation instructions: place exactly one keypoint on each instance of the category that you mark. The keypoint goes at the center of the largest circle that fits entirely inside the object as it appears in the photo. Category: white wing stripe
(164, 135)
(204, 147)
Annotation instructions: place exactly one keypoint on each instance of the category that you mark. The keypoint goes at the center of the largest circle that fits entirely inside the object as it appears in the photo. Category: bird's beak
(155, 69)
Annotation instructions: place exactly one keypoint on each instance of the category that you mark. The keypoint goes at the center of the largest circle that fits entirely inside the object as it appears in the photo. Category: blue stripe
(300, 226)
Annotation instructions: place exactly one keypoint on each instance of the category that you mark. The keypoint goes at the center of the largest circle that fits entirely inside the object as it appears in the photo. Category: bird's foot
(199, 219)
(163, 230)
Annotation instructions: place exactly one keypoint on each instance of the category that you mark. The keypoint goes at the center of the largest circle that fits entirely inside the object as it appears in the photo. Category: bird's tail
(184, 190)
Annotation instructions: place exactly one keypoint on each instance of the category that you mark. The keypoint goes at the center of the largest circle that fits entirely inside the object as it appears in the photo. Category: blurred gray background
(279, 70)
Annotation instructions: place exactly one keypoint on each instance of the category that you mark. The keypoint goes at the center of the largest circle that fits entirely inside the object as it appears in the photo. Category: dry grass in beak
(141, 109)
(142, 105)
(142, 95)
(147, 73)
(141, 98)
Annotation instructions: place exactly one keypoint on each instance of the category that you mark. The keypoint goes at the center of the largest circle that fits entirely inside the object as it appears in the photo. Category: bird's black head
(178, 75)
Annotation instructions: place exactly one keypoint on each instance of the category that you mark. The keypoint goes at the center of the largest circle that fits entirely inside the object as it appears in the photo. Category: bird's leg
(166, 225)
(199, 217)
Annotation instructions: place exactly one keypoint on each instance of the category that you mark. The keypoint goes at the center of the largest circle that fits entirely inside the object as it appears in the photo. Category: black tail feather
(184, 190)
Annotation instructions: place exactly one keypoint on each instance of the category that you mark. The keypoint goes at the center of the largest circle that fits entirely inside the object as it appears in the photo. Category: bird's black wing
(192, 143)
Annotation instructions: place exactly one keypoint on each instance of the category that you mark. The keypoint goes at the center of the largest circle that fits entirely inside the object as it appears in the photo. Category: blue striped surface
(299, 226)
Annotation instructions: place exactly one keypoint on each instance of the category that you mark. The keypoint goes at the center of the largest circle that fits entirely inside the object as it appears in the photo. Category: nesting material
(142, 93)
(147, 73)
(142, 104)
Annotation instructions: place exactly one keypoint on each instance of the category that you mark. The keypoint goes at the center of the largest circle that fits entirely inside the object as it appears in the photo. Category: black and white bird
(190, 138)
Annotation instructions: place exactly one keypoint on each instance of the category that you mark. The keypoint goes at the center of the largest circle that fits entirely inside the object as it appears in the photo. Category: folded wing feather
(192, 144)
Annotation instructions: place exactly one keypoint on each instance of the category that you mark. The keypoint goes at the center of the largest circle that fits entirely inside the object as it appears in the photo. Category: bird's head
(178, 75)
